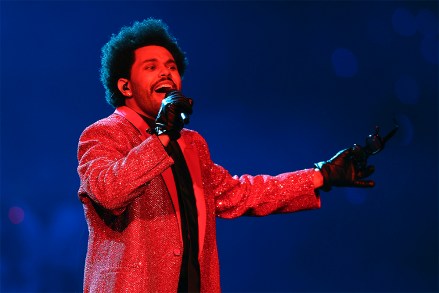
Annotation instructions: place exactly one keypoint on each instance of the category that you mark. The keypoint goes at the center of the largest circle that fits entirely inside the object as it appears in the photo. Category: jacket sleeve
(114, 164)
(258, 195)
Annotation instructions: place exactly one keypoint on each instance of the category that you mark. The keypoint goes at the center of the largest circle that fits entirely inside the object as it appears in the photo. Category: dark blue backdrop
(277, 86)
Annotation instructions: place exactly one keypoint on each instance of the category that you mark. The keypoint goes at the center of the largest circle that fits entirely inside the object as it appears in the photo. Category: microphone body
(185, 118)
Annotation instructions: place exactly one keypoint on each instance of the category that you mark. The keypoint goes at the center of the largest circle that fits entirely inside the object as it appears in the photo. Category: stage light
(16, 215)
(430, 49)
(404, 22)
(427, 23)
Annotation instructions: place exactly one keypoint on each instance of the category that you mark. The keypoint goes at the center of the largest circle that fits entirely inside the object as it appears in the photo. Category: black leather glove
(347, 168)
(169, 120)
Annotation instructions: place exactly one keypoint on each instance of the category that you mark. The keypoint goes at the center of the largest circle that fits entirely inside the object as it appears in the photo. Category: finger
(184, 105)
(366, 172)
(341, 155)
(364, 183)
(369, 170)
(174, 94)
(181, 104)
(174, 98)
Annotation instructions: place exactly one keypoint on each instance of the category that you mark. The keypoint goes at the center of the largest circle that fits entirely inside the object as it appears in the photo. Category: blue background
(277, 86)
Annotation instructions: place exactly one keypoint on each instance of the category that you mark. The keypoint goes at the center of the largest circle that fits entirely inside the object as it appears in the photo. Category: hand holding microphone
(173, 114)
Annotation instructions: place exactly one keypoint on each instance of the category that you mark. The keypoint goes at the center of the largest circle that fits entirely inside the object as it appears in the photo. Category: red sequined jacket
(132, 212)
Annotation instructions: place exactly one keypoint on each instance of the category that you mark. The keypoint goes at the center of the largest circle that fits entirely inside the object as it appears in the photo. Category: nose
(164, 71)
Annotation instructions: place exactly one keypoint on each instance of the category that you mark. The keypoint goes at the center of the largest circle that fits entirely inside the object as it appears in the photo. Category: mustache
(162, 80)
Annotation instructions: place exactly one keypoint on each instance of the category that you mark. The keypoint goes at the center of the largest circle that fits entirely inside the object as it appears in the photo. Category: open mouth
(164, 87)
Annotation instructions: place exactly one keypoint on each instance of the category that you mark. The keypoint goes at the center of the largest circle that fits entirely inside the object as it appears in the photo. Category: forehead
(152, 52)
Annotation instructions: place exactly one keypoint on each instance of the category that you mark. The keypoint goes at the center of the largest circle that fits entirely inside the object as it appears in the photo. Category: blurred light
(407, 90)
(427, 23)
(344, 62)
(404, 22)
(429, 49)
(356, 196)
(16, 215)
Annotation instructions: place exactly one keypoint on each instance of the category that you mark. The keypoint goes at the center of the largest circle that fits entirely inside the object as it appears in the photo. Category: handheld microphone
(374, 144)
(184, 116)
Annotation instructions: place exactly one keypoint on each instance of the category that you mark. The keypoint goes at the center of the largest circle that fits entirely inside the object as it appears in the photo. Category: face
(154, 71)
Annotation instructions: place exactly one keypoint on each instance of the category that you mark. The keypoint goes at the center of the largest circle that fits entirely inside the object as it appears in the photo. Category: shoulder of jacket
(109, 123)
(193, 137)
(191, 134)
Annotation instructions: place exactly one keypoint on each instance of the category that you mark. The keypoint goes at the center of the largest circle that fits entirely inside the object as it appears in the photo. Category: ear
(124, 87)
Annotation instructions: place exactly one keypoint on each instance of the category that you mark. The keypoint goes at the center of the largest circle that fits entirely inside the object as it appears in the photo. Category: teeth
(163, 88)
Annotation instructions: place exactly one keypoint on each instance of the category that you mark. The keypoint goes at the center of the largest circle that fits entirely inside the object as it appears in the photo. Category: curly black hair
(118, 54)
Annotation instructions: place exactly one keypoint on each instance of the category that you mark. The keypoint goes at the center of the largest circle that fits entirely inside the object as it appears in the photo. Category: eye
(150, 67)
(172, 67)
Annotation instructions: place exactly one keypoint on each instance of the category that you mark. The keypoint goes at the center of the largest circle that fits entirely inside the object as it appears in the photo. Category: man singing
(149, 188)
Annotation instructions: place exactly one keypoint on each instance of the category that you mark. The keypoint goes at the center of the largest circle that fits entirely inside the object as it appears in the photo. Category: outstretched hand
(347, 168)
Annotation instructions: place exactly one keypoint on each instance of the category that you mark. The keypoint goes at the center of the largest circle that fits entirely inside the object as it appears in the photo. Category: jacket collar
(135, 119)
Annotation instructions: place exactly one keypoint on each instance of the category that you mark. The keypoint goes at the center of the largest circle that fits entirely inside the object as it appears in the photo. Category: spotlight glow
(430, 49)
(427, 23)
(16, 215)
(404, 22)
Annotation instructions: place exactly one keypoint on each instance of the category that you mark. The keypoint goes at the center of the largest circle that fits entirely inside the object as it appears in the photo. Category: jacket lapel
(142, 127)
(192, 161)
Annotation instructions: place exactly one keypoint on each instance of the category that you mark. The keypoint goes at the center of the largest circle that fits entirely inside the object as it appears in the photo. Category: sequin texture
(134, 236)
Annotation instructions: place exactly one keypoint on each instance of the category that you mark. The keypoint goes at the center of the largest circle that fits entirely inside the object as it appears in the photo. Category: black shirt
(190, 268)
(189, 280)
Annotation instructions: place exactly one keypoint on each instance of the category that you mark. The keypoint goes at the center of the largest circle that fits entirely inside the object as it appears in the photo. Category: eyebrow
(155, 60)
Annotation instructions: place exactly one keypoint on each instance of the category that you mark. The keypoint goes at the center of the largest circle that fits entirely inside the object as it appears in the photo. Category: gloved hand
(346, 169)
(169, 120)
